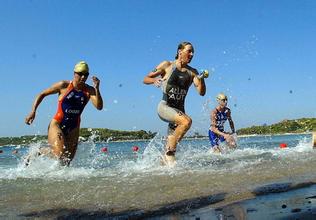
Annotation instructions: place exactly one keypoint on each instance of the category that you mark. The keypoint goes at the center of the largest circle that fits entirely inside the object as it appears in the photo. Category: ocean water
(122, 180)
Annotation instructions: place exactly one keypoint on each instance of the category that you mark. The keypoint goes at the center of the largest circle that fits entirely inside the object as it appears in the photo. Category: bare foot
(216, 149)
(169, 160)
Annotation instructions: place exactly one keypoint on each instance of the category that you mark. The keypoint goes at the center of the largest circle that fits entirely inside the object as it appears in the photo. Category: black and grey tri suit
(175, 89)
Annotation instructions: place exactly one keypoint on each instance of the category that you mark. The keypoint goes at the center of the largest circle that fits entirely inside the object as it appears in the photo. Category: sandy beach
(273, 201)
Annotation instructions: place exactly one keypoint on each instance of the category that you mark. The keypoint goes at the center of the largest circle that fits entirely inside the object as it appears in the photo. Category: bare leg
(183, 125)
(56, 139)
(63, 146)
(41, 151)
(217, 149)
(314, 140)
(71, 143)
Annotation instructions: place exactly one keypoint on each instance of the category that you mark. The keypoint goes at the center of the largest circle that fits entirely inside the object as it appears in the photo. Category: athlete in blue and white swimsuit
(218, 118)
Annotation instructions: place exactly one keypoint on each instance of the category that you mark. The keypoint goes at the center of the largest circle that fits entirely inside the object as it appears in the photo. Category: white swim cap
(221, 96)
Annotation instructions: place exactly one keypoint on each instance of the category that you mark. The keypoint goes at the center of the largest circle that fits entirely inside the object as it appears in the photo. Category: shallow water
(121, 179)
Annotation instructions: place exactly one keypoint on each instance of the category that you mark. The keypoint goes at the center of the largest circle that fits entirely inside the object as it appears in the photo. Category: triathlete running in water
(218, 117)
(63, 130)
(175, 78)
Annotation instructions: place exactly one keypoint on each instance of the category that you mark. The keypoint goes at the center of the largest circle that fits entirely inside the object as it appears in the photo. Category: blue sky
(262, 52)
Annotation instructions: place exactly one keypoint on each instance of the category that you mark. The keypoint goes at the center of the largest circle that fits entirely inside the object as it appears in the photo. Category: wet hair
(181, 46)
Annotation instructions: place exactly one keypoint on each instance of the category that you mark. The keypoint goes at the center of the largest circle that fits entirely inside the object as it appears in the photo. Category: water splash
(192, 156)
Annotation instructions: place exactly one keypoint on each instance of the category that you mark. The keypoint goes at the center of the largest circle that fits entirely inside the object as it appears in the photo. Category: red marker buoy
(135, 148)
(283, 145)
(104, 149)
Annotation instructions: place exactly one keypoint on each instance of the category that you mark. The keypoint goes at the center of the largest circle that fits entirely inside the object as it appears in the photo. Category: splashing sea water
(122, 179)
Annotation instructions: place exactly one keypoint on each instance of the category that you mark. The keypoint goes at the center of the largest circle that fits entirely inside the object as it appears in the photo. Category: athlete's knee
(56, 139)
(189, 122)
(186, 122)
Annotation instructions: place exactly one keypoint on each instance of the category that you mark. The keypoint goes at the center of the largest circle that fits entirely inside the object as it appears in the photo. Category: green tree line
(98, 134)
(104, 134)
(285, 126)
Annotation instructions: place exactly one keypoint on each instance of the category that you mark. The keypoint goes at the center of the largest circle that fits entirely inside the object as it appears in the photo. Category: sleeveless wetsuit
(70, 107)
(175, 89)
(221, 118)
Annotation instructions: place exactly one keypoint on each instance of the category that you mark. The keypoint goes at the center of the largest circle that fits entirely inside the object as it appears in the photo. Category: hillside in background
(103, 134)
(99, 134)
(285, 126)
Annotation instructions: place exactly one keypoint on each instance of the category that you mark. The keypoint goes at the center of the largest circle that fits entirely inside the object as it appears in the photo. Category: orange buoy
(135, 148)
(104, 149)
(283, 145)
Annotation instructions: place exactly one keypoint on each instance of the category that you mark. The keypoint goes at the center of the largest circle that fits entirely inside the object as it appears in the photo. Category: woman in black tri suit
(175, 78)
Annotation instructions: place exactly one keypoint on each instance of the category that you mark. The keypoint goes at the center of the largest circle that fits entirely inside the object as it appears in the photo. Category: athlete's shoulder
(164, 64)
(227, 110)
(62, 84)
(57, 87)
(65, 83)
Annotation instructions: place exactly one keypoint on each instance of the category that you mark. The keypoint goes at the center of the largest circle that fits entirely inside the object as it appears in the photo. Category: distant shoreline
(206, 137)
(281, 134)
(184, 139)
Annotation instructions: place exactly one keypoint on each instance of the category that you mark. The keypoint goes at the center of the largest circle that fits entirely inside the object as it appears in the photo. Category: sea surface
(122, 181)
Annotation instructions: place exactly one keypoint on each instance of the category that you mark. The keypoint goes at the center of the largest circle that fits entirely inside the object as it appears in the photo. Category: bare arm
(153, 76)
(95, 95)
(199, 83)
(230, 120)
(55, 88)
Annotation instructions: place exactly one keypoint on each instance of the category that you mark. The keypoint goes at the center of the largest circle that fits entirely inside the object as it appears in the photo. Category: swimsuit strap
(84, 90)
(174, 66)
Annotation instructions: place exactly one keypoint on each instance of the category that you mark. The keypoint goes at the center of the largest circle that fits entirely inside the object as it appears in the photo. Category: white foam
(191, 156)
